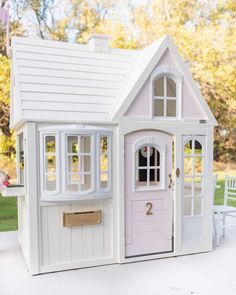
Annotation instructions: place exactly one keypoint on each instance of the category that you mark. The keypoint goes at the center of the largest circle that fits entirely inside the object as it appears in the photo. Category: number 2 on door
(149, 210)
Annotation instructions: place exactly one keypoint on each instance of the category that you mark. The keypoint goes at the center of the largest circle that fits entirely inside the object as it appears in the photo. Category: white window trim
(178, 78)
(161, 147)
(65, 171)
(61, 193)
(18, 158)
(43, 163)
(108, 189)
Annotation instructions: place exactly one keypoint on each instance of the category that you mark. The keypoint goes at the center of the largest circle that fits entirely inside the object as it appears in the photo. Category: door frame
(176, 129)
(123, 131)
(135, 195)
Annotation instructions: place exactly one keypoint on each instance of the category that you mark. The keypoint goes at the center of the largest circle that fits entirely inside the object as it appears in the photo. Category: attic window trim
(177, 77)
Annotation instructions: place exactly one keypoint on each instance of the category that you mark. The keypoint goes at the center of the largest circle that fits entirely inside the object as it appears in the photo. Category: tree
(204, 32)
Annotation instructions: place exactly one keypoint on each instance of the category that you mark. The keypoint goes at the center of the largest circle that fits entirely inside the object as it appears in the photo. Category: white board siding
(44, 238)
(22, 228)
(61, 116)
(53, 233)
(74, 98)
(72, 60)
(69, 82)
(61, 245)
(72, 74)
(58, 106)
(65, 89)
(79, 51)
(65, 236)
(77, 239)
(71, 67)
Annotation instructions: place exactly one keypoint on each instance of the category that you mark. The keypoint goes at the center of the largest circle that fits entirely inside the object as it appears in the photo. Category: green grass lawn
(219, 193)
(8, 214)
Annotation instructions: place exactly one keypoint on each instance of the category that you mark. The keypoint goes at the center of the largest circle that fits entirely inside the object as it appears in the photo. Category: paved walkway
(206, 274)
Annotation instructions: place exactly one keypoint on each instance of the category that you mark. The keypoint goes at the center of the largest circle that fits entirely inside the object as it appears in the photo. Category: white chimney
(99, 42)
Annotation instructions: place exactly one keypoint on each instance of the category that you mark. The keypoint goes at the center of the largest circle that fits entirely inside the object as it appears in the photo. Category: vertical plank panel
(19, 214)
(53, 234)
(87, 237)
(108, 225)
(98, 240)
(76, 238)
(44, 236)
(65, 236)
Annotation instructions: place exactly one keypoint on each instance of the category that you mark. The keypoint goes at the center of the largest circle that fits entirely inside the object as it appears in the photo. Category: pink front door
(148, 197)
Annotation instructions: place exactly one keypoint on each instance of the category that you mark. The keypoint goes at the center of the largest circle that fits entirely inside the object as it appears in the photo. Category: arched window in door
(148, 167)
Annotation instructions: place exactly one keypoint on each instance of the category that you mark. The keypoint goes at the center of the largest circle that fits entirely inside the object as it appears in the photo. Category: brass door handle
(177, 172)
(170, 183)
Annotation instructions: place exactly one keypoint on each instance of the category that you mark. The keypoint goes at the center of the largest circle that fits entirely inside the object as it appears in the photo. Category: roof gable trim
(166, 43)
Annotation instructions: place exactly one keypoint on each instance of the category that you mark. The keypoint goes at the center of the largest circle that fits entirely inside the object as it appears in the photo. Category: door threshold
(149, 254)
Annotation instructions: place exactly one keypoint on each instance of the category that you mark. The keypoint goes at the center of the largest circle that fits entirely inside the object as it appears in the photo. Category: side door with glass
(194, 189)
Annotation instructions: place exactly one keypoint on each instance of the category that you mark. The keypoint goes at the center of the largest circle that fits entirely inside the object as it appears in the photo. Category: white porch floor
(209, 273)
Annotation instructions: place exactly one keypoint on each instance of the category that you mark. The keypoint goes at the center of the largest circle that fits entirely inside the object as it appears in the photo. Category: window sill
(149, 189)
(74, 198)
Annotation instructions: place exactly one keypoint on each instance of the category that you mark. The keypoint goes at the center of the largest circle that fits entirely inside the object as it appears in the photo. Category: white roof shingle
(68, 81)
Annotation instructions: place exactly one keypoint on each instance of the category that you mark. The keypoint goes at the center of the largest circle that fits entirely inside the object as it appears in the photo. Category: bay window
(75, 162)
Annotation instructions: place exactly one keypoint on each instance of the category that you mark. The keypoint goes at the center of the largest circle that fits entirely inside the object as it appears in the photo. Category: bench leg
(214, 224)
(218, 229)
(223, 232)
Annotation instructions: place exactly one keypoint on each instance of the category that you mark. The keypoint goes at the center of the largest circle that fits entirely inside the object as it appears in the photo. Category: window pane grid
(151, 167)
(79, 154)
(50, 174)
(165, 105)
(50, 163)
(193, 195)
(78, 160)
(79, 173)
(163, 97)
(148, 175)
(104, 162)
(50, 154)
(78, 151)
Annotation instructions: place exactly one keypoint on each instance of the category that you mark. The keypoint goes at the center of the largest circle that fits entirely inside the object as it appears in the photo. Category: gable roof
(134, 85)
(56, 81)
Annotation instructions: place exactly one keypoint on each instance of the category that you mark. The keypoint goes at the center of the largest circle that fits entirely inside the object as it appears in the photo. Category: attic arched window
(166, 89)
(165, 96)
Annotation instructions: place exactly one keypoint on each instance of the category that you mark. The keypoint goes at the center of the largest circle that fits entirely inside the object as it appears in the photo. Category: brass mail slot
(82, 218)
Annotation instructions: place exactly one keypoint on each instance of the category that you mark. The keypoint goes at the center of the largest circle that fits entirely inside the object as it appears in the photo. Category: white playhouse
(114, 154)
